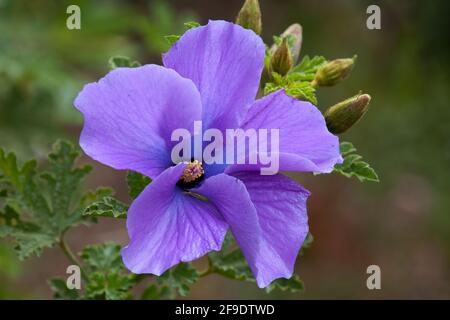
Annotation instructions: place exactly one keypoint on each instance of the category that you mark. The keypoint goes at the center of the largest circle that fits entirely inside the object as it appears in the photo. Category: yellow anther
(192, 172)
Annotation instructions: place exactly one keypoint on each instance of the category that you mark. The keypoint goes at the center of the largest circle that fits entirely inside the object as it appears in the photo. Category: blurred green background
(401, 224)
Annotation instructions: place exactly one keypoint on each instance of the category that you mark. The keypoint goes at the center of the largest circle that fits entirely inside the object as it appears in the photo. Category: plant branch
(70, 255)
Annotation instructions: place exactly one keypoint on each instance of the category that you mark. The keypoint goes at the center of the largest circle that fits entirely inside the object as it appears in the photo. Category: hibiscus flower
(211, 74)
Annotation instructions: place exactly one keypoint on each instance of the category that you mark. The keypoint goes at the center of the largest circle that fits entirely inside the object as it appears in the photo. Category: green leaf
(294, 284)
(107, 207)
(297, 83)
(93, 196)
(107, 277)
(179, 278)
(40, 206)
(191, 24)
(122, 62)
(104, 257)
(109, 286)
(60, 290)
(307, 243)
(155, 292)
(302, 90)
(346, 148)
(230, 262)
(231, 265)
(307, 68)
(353, 166)
(172, 38)
(136, 183)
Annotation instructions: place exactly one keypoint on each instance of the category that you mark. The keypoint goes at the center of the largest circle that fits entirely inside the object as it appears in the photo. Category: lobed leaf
(136, 183)
(179, 279)
(354, 166)
(60, 290)
(107, 207)
(155, 292)
(172, 38)
(39, 206)
(122, 62)
(307, 68)
(293, 284)
(107, 277)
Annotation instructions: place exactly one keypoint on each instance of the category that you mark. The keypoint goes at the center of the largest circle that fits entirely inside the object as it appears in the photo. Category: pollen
(192, 172)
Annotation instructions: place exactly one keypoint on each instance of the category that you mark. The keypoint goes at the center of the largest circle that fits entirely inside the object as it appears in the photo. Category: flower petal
(305, 144)
(167, 226)
(232, 200)
(225, 62)
(130, 115)
(281, 208)
(267, 216)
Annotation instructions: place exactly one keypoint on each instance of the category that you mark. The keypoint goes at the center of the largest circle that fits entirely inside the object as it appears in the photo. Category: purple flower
(211, 74)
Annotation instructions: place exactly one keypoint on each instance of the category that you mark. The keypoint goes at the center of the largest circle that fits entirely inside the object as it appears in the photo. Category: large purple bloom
(211, 74)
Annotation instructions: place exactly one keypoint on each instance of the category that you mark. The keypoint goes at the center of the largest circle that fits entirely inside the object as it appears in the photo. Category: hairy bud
(345, 114)
(250, 16)
(334, 72)
(281, 61)
(294, 34)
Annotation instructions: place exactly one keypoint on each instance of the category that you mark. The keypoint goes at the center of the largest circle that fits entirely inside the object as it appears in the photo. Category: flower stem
(70, 255)
(205, 272)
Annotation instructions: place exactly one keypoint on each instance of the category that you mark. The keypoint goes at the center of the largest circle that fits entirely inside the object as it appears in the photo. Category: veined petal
(129, 116)
(267, 216)
(225, 62)
(230, 197)
(166, 226)
(281, 208)
(305, 144)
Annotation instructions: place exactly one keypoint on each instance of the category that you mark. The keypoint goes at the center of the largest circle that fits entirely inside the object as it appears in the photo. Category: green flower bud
(334, 72)
(294, 34)
(345, 114)
(250, 16)
(281, 61)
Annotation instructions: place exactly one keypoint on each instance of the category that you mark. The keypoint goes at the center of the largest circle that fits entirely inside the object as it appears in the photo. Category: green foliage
(41, 206)
(107, 277)
(107, 207)
(302, 90)
(155, 292)
(353, 166)
(297, 83)
(307, 68)
(293, 284)
(307, 243)
(277, 40)
(172, 38)
(191, 24)
(104, 257)
(136, 183)
(60, 290)
(122, 62)
(109, 286)
(231, 263)
(178, 279)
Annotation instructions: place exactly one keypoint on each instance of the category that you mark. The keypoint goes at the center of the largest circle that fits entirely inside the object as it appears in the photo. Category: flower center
(191, 174)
